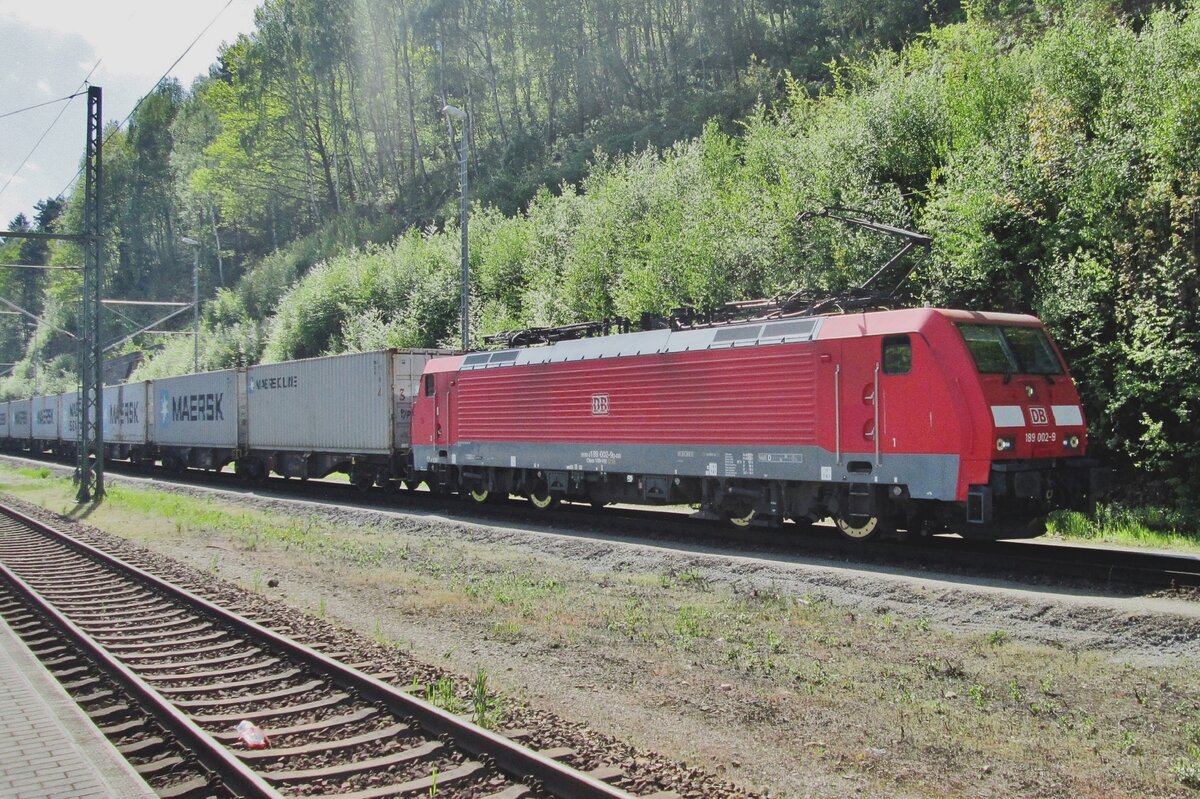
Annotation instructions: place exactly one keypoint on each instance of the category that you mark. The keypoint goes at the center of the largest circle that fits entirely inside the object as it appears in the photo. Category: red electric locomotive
(918, 420)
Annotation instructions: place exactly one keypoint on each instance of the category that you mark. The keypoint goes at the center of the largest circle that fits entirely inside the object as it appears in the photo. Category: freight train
(911, 421)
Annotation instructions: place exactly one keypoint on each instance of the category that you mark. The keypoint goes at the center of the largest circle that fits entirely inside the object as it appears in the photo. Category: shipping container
(20, 421)
(357, 404)
(125, 414)
(197, 410)
(68, 416)
(44, 424)
(5, 433)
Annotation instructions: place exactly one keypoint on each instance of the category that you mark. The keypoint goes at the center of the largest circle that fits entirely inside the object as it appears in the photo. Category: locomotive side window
(897, 355)
(429, 385)
(1010, 350)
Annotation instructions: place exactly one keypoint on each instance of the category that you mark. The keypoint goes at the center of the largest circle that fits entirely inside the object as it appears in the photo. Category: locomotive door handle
(878, 401)
(837, 413)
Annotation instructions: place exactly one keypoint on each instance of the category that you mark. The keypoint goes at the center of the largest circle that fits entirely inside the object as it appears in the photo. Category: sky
(48, 47)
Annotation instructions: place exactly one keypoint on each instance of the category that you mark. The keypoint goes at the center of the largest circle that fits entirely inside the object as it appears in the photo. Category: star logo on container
(164, 408)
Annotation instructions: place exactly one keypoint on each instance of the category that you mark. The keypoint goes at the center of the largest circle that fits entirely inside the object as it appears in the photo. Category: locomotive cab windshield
(1011, 349)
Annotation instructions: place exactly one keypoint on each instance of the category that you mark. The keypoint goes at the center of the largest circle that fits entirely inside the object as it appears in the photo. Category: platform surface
(49, 749)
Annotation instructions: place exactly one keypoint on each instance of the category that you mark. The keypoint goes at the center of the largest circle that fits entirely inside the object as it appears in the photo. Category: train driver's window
(429, 385)
(897, 355)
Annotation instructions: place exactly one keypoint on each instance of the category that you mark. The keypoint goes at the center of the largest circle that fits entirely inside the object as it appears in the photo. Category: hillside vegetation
(1050, 150)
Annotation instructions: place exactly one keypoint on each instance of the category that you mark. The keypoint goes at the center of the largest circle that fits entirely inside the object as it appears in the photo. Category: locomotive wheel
(861, 529)
(480, 495)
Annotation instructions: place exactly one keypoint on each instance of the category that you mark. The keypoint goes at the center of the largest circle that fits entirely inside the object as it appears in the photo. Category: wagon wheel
(740, 517)
(541, 497)
(858, 528)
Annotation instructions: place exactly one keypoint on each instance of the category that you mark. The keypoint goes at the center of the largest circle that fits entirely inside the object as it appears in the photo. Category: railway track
(169, 676)
(1034, 562)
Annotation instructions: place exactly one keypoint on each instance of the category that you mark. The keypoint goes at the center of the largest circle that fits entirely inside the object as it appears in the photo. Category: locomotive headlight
(1005, 444)
(1071, 442)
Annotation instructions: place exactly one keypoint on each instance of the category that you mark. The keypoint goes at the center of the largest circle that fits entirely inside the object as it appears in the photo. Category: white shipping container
(125, 413)
(356, 404)
(20, 419)
(68, 416)
(4, 431)
(44, 426)
(196, 410)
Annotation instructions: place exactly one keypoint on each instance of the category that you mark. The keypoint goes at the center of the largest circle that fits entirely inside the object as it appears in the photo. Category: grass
(1145, 526)
(934, 701)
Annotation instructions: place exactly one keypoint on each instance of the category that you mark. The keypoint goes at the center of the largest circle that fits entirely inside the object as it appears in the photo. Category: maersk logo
(190, 408)
(265, 383)
(123, 413)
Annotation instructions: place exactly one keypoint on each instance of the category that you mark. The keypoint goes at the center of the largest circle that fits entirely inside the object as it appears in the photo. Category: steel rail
(516, 760)
(236, 775)
(1144, 569)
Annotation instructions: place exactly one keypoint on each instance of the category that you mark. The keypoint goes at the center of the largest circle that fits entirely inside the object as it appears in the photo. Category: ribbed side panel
(20, 416)
(125, 413)
(752, 395)
(195, 410)
(45, 417)
(341, 403)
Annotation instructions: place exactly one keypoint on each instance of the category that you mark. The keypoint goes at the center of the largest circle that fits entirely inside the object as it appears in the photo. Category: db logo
(600, 405)
(1038, 416)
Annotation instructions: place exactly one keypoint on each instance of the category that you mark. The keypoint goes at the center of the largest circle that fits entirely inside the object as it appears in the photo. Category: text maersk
(198, 408)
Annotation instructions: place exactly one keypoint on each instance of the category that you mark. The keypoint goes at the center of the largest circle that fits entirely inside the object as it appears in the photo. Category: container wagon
(342, 413)
(198, 420)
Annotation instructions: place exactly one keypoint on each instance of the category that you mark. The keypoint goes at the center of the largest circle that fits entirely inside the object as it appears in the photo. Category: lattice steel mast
(90, 469)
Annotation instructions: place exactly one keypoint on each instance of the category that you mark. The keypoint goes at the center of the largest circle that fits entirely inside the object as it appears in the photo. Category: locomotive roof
(752, 333)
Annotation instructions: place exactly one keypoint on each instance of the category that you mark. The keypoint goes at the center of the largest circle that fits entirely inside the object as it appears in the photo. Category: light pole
(464, 303)
(195, 245)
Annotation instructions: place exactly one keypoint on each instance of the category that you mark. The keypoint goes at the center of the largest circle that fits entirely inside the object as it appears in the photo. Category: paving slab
(48, 746)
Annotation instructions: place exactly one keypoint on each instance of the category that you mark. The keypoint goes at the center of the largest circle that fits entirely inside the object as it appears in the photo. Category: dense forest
(632, 157)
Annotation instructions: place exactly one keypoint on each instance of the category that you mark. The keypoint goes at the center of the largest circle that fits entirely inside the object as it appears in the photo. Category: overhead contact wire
(7, 114)
(46, 133)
